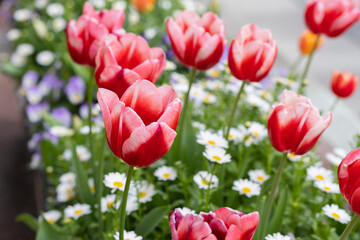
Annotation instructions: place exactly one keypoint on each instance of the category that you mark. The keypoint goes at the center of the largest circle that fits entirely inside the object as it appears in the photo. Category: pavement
(286, 22)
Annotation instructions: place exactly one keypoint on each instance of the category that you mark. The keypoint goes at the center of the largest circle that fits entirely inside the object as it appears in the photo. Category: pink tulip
(295, 125)
(140, 127)
(331, 17)
(252, 53)
(123, 60)
(222, 224)
(197, 42)
(85, 35)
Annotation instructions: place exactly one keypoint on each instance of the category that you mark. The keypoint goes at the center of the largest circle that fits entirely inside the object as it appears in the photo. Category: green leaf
(29, 220)
(151, 220)
(50, 120)
(49, 231)
(48, 152)
(79, 70)
(276, 220)
(11, 70)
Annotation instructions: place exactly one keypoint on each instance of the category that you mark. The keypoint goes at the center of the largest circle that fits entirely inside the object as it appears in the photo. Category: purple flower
(35, 160)
(34, 94)
(51, 137)
(62, 115)
(166, 39)
(84, 110)
(75, 90)
(29, 79)
(34, 111)
(50, 82)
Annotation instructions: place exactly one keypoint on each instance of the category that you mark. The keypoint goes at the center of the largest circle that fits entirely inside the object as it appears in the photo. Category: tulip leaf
(79, 70)
(48, 153)
(48, 231)
(29, 220)
(276, 220)
(151, 220)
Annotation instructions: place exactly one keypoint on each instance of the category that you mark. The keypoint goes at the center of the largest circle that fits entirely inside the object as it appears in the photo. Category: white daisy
(277, 236)
(329, 187)
(52, 216)
(59, 24)
(210, 139)
(18, 60)
(67, 155)
(128, 236)
(294, 158)
(197, 93)
(83, 153)
(25, 49)
(91, 184)
(258, 176)
(336, 157)
(86, 129)
(60, 131)
(40, 4)
(165, 173)
(115, 181)
(134, 17)
(217, 155)
(204, 180)
(68, 178)
(131, 204)
(166, 4)
(185, 211)
(199, 125)
(333, 211)
(256, 101)
(235, 135)
(55, 10)
(143, 190)
(107, 202)
(65, 192)
(13, 34)
(22, 15)
(209, 98)
(77, 210)
(45, 58)
(170, 65)
(315, 173)
(246, 187)
(119, 5)
(257, 132)
(151, 32)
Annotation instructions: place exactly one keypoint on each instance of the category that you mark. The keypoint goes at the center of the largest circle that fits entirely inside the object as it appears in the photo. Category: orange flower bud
(143, 5)
(307, 41)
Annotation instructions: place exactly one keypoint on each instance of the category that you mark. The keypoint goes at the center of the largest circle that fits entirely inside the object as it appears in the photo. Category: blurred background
(285, 20)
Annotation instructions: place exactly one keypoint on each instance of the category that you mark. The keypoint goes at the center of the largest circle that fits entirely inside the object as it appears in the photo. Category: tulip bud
(343, 84)
(140, 127)
(349, 179)
(252, 53)
(197, 42)
(331, 18)
(307, 41)
(295, 125)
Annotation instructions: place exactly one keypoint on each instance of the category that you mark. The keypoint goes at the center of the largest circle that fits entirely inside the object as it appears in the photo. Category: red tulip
(295, 125)
(343, 84)
(349, 179)
(85, 35)
(252, 53)
(222, 224)
(123, 60)
(140, 127)
(197, 42)
(330, 17)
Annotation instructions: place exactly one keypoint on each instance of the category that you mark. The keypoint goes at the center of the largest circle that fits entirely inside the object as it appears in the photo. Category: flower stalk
(124, 201)
(349, 227)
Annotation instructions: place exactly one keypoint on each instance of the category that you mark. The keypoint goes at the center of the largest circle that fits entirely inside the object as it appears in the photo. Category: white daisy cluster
(65, 190)
(165, 173)
(142, 190)
(128, 236)
(61, 131)
(247, 187)
(336, 156)
(76, 211)
(323, 179)
(82, 153)
(250, 133)
(289, 83)
(333, 211)
(256, 96)
(277, 236)
(206, 180)
(210, 139)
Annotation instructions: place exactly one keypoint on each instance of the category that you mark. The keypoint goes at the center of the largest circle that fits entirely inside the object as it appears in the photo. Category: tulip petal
(176, 37)
(210, 53)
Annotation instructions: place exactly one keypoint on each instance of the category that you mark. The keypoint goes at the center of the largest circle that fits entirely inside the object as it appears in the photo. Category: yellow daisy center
(246, 190)
(166, 175)
(335, 215)
(77, 212)
(230, 136)
(51, 220)
(319, 177)
(327, 188)
(109, 204)
(118, 184)
(261, 178)
(217, 158)
(256, 134)
(92, 189)
(142, 194)
(205, 182)
(263, 94)
(215, 73)
(67, 220)
(291, 155)
(211, 142)
(207, 99)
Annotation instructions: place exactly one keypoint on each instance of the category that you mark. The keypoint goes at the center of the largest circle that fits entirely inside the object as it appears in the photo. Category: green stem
(306, 70)
(333, 105)
(89, 100)
(208, 189)
(124, 201)
(295, 65)
(271, 197)
(234, 108)
(349, 227)
(98, 187)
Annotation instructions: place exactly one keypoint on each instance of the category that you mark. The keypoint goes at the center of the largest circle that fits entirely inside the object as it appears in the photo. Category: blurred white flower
(61, 131)
(277, 236)
(41, 4)
(25, 49)
(52, 216)
(55, 10)
(128, 236)
(210, 139)
(83, 153)
(217, 155)
(68, 178)
(119, 5)
(185, 211)
(99, 4)
(258, 176)
(246, 187)
(143, 190)
(134, 17)
(59, 24)
(115, 181)
(336, 157)
(333, 211)
(67, 155)
(165, 173)
(65, 192)
(18, 60)
(22, 15)
(329, 187)
(204, 180)
(45, 58)
(150, 33)
(166, 4)
(107, 202)
(77, 211)
(13, 34)
(316, 173)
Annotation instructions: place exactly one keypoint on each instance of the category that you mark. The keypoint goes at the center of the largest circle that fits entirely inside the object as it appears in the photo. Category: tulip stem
(124, 201)
(270, 199)
(306, 70)
(208, 189)
(349, 227)
(333, 105)
(295, 65)
(89, 100)
(98, 182)
(234, 109)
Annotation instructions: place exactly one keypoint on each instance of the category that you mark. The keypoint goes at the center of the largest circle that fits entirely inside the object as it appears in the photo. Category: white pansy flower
(258, 176)
(217, 155)
(52, 216)
(45, 58)
(115, 181)
(246, 187)
(204, 180)
(165, 173)
(77, 210)
(333, 211)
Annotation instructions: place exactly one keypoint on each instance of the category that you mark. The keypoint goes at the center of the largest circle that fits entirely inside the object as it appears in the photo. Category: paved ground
(285, 20)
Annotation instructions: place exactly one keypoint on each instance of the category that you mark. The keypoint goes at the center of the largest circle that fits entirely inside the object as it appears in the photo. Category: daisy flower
(333, 211)
(131, 204)
(83, 153)
(68, 178)
(202, 179)
(294, 158)
(107, 202)
(185, 211)
(165, 173)
(115, 181)
(65, 192)
(316, 173)
(128, 236)
(52, 216)
(329, 187)
(45, 58)
(336, 157)
(217, 155)
(210, 139)
(257, 132)
(143, 190)
(236, 135)
(77, 211)
(67, 155)
(60, 131)
(91, 185)
(277, 236)
(258, 176)
(246, 187)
